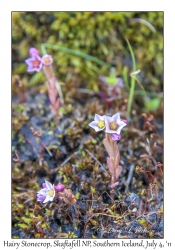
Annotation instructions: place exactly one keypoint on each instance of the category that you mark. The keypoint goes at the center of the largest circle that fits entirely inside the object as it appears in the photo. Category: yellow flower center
(113, 126)
(101, 124)
(50, 193)
(46, 60)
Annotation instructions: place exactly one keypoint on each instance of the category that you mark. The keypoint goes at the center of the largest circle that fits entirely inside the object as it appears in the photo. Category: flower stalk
(113, 160)
(113, 126)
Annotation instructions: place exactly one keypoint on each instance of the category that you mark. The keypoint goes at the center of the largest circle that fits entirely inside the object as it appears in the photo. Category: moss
(105, 40)
(23, 226)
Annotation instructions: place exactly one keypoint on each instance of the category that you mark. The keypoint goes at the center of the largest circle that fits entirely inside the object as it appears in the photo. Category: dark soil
(69, 151)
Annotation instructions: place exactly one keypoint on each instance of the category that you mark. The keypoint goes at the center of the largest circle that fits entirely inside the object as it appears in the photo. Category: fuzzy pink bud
(33, 51)
(59, 188)
(44, 185)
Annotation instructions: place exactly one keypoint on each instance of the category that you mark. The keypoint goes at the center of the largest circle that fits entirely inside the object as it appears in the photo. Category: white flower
(99, 123)
(114, 124)
(47, 193)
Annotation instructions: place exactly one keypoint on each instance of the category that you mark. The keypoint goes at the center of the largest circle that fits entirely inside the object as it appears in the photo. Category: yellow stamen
(113, 126)
(46, 60)
(101, 124)
(50, 193)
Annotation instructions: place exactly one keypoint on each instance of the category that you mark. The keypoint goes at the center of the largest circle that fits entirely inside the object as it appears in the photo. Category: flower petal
(47, 199)
(121, 125)
(120, 82)
(40, 197)
(116, 117)
(97, 118)
(103, 79)
(93, 124)
(48, 185)
(29, 60)
(30, 69)
(99, 129)
(39, 68)
(43, 191)
(53, 193)
(108, 120)
(51, 199)
(125, 121)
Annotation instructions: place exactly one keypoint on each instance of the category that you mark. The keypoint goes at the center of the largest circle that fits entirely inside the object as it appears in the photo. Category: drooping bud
(33, 51)
(44, 185)
(59, 188)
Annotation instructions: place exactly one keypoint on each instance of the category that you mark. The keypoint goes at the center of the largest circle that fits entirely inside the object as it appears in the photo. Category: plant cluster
(113, 126)
(36, 63)
(50, 192)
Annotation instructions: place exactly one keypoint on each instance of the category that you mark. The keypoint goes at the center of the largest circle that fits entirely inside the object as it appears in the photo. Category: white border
(5, 93)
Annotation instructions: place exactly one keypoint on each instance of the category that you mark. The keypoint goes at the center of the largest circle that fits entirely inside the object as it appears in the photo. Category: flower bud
(33, 51)
(44, 185)
(47, 60)
(59, 187)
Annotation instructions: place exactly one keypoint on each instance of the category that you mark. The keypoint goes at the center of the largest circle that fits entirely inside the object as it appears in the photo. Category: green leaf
(20, 205)
(111, 80)
(26, 220)
(36, 78)
(23, 226)
(65, 179)
(153, 104)
(77, 195)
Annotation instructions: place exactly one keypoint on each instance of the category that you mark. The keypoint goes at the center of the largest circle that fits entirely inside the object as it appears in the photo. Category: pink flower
(113, 84)
(59, 187)
(99, 123)
(114, 124)
(47, 60)
(116, 88)
(33, 51)
(34, 63)
(47, 193)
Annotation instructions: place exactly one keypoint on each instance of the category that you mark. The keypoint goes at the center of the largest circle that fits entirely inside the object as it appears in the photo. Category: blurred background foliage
(100, 34)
